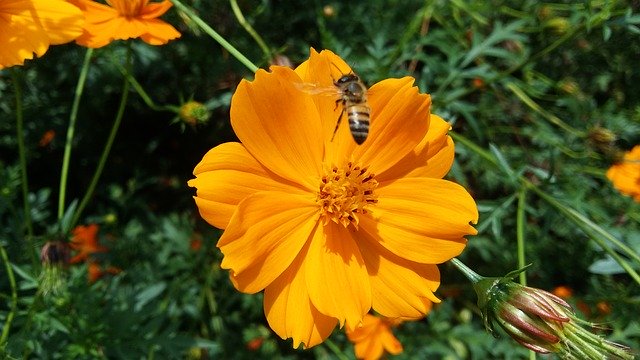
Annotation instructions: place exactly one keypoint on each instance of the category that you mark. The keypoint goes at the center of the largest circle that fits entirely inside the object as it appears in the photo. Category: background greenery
(531, 83)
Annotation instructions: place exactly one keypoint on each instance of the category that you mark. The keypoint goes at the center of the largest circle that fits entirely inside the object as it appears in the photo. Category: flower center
(345, 193)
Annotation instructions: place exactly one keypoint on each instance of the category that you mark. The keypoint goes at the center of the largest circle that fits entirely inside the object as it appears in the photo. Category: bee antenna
(337, 68)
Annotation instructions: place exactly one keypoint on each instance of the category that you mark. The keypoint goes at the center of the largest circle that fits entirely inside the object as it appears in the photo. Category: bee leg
(337, 124)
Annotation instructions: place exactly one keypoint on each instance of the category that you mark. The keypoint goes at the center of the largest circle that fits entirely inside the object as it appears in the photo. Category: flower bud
(540, 321)
(193, 113)
(55, 257)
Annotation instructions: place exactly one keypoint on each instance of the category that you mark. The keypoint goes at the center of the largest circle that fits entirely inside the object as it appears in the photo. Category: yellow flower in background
(374, 337)
(625, 175)
(28, 27)
(125, 19)
(330, 229)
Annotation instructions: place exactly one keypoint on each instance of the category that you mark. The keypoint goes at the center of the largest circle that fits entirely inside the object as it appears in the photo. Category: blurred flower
(327, 228)
(54, 257)
(46, 138)
(85, 242)
(541, 321)
(625, 174)
(374, 336)
(28, 27)
(193, 113)
(563, 292)
(603, 307)
(123, 20)
(95, 270)
(255, 343)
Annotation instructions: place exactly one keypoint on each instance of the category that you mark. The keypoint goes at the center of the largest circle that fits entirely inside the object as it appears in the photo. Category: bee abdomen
(359, 122)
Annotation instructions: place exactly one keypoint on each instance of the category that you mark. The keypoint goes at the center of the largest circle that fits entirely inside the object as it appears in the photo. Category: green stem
(466, 271)
(248, 28)
(206, 28)
(107, 148)
(143, 94)
(336, 350)
(14, 299)
(592, 230)
(520, 236)
(71, 130)
(23, 163)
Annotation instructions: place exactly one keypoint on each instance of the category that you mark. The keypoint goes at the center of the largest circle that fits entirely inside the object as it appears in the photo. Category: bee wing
(315, 89)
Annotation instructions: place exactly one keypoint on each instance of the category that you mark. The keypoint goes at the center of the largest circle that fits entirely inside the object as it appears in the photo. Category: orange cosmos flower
(330, 229)
(125, 19)
(374, 336)
(85, 241)
(28, 27)
(625, 175)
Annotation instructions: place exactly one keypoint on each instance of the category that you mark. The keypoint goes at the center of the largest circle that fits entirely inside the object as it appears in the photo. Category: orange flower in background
(625, 175)
(374, 336)
(85, 242)
(28, 27)
(125, 19)
(563, 292)
(330, 229)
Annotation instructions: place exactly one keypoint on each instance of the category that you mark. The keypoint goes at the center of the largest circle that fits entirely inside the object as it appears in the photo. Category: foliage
(528, 86)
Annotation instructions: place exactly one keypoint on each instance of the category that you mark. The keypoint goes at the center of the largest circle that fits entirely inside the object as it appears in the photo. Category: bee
(351, 95)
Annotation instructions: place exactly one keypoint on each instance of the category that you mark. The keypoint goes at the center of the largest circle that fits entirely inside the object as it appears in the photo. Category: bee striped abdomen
(358, 115)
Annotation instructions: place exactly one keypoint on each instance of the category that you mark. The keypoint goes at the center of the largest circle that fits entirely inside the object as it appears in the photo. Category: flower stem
(14, 299)
(520, 220)
(206, 28)
(466, 271)
(107, 148)
(71, 130)
(23, 163)
(336, 350)
(143, 94)
(593, 231)
(245, 24)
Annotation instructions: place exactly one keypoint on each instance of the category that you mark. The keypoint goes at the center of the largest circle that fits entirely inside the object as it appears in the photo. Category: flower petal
(62, 21)
(279, 125)
(225, 176)
(159, 32)
(432, 157)
(400, 288)
(153, 10)
(399, 121)
(265, 234)
(337, 278)
(422, 219)
(289, 310)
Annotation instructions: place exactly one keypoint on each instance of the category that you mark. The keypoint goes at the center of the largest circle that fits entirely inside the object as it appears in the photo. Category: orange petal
(422, 219)
(62, 21)
(399, 121)
(433, 157)
(264, 235)
(279, 125)
(154, 9)
(290, 312)
(158, 32)
(225, 176)
(400, 288)
(337, 278)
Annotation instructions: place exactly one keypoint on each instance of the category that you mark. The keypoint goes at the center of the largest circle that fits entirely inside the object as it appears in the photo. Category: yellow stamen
(344, 194)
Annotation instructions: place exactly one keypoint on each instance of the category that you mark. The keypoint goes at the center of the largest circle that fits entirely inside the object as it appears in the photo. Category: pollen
(345, 193)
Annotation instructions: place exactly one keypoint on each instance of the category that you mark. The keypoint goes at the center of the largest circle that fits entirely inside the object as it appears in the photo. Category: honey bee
(352, 97)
